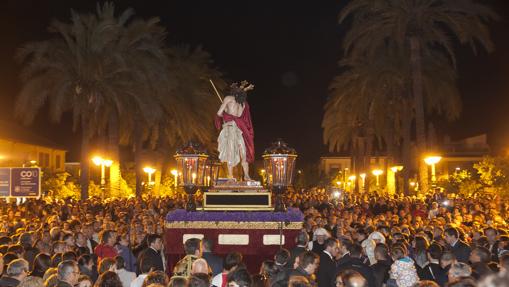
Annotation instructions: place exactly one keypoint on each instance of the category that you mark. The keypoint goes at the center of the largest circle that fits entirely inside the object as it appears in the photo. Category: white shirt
(217, 280)
(138, 282)
(126, 277)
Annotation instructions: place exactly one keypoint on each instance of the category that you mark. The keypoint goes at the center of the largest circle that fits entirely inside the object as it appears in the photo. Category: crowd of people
(353, 241)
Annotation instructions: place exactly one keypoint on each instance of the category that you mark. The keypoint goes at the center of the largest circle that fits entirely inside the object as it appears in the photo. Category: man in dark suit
(460, 249)
(215, 262)
(88, 231)
(302, 241)
(326, 270)
(433, 271)
(153, 252)
(356, 263)
(344, 250)
(382, 266)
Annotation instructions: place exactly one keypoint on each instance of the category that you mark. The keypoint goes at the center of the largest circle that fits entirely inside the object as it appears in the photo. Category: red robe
(245, 125)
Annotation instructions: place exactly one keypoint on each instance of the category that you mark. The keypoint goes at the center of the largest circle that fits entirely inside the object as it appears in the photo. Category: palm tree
(417, 28)
(188, 108)
(88, 69)
(371, 99)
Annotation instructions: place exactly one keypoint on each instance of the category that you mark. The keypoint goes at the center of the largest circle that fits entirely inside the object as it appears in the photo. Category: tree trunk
(407, 142)
(114, 154)
(138, 146)
(420, 121)
(84, 163)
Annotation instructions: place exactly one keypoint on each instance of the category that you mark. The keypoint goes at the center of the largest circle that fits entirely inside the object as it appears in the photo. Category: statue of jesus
(235, 141)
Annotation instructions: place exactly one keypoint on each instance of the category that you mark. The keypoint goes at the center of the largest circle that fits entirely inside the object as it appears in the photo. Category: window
(41, 159)
(46, 160)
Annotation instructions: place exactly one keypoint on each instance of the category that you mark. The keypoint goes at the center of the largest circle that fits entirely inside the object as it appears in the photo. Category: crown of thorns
(244, 86)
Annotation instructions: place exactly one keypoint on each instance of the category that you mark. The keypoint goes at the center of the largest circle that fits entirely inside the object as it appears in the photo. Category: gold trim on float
(230, 225)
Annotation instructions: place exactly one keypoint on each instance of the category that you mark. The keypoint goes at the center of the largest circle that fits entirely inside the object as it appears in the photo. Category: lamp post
(103, 163)
(175, 174)
(363, 180)
(377, 173)
(279, 163)
(149, 170)
(190, 165)
(432, 161)
(352, 179)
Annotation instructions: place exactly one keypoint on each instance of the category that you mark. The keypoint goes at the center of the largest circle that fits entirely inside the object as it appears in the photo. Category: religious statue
(235, 141)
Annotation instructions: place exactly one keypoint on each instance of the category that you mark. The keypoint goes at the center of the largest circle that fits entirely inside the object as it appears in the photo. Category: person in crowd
(382, 266)
(350, 278)
(41, 263)
(146, 266)
(307, 266)
(480, 257)
(84, 281)
(403, 269)
(239, 278)
(355, 262)
(156, 277)
(153, 251)
(231, 262)
(460, 249)
(107, 264)
(458, 271)
(68, 273)
(16, 271)
(86, 265)
(299, 281)
(126, 277)
(301, 241)
(200, 265)
(31, 281)
(126, 253)
(193, 249)
(178, 282)
(215, 262)
(318, 243)
(327, 268)
(106, 249)
(108, 279)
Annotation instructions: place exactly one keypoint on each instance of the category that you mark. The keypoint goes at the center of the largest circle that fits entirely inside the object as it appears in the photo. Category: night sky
(288, 49)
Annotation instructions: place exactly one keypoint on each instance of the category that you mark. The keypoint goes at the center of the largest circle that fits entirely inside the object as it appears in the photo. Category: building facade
(21, 147)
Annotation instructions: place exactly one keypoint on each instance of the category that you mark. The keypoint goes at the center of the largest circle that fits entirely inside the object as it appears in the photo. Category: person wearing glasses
(68, 273)
(16, 271)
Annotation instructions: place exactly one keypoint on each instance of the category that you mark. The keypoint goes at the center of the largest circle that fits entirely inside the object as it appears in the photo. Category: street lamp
(103, 163)
(279, 163)
(190, 165)
(175, 174)
(377, 173)
(363, 178)
(432, 161)
(149, 170)
(352, 179)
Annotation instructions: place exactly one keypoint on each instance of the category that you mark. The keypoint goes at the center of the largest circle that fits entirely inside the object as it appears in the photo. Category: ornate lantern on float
(279, 163)
(210, 172)
(190, 165)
